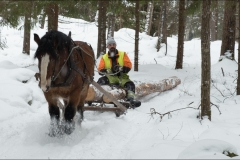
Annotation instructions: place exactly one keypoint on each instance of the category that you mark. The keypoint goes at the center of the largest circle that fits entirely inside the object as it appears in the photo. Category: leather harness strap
(72, 66)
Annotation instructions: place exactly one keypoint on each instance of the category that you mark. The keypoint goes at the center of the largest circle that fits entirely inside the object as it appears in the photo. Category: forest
(209, 20)
(190, 45)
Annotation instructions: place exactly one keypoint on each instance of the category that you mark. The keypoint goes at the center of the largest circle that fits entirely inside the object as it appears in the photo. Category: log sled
(97, 100)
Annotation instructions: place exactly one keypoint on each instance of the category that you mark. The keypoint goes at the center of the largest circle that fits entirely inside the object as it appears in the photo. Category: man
(115, 65)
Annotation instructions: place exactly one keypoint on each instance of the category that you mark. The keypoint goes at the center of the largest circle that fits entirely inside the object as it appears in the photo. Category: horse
(66, 68)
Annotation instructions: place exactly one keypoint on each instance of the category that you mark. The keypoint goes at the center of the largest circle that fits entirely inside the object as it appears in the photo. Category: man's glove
(117, 68)
(125, 69)
(120, 68)
(104, 71)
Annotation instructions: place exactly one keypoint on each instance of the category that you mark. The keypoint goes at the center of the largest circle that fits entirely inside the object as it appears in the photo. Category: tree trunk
(206, 60)
(229, 24)
(148, 24)
(101, 46)
(27, 28)
(181, 27)
(111, 25)
(43, 18)
(136, 35)
(52, 12)
(237, 21)
(164, 31)
(212, 26)
(159, 32)
(238, 80)
(216, 19)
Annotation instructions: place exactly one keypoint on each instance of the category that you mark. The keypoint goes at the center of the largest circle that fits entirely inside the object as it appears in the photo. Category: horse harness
(72, 66)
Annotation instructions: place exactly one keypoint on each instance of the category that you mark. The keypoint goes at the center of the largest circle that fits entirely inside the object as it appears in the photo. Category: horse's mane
(51, 42)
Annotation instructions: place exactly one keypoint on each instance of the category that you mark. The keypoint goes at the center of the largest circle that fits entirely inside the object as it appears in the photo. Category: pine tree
(148, 24)
(228, 37)
(111, 24)
(214, 21)
(159, 31)
(136, 36)
(27, 27)
(52, 13)
(179, 60)
(206, 60)
(238, 79)
(101, 47)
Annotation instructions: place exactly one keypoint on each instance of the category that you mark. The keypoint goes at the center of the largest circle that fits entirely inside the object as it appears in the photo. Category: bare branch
(153, 111)
(216, 106)
(155, 60)
(218, 90)
(222, 71)
(178, 131)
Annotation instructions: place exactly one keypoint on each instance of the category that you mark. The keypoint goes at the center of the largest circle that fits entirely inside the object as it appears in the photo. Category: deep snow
(24, 118)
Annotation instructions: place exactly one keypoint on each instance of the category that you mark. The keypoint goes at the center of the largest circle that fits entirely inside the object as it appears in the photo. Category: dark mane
(51, 42)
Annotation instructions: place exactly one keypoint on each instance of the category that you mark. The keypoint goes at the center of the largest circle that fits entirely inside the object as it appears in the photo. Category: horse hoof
(69, 127)
(55, 129)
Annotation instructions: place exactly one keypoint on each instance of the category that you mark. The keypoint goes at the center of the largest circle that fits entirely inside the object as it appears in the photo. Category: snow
(24, 118)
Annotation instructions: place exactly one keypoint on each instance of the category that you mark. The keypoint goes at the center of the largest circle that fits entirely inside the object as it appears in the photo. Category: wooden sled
(100, 97)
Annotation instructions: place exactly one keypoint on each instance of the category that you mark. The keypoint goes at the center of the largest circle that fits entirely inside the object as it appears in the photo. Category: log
(95, 95)
(141, 90)
(164, 85)
(118, 93)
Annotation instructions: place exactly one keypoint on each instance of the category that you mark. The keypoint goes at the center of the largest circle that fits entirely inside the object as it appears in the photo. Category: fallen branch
(153, 111)
(222, 71)
(155, 60)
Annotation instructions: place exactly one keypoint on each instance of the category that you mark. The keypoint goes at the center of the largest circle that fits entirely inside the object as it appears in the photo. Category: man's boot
(131, 98)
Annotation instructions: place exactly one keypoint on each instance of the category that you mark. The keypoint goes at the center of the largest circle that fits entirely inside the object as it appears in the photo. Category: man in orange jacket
(115, 65)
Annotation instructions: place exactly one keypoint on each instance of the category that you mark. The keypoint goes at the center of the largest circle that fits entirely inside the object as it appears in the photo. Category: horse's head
(50, 47)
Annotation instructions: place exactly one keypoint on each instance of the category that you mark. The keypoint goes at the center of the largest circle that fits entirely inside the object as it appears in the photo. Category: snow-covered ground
(24, 118)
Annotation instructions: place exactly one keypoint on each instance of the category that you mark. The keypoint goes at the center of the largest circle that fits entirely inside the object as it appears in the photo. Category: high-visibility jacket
(122, 60)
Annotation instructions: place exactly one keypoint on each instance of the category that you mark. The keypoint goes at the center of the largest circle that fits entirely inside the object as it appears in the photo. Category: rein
(74, 67)
(55, 77)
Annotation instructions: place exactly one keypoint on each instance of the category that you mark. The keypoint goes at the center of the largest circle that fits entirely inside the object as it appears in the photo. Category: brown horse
(66, 68)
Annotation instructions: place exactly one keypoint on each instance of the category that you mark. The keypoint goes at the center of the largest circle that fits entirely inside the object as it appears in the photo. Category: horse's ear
(36, 38)
(69, 34)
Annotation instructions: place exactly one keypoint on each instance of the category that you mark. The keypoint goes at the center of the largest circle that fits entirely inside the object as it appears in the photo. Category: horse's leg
(54, 116)
(70, 111)
(54, 111)
(80, 111)
(82, 101)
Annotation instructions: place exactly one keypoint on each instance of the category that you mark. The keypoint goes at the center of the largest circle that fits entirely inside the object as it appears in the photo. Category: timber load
(141, 90)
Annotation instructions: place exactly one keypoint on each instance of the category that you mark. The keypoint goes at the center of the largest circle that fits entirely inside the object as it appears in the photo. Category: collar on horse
(72, 66)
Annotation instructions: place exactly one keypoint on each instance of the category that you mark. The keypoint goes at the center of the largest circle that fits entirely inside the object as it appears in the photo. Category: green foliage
(193, 7)
(12, 12)
(9, 10)
(78, 9)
